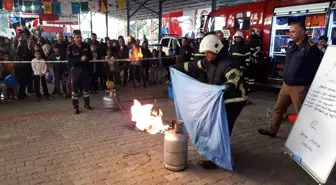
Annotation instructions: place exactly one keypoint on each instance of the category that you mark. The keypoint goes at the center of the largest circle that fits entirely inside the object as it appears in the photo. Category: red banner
(48, 17)
(170, 23)
(8, 5)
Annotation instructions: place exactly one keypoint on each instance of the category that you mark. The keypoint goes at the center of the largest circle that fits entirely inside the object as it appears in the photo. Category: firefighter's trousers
(250, 73)
(233, 110)
(80, 78)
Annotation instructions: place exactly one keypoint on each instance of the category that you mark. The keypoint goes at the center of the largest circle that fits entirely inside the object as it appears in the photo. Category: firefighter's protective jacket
(196, 55)
(220, 72)
(240, 54)
(255, 44)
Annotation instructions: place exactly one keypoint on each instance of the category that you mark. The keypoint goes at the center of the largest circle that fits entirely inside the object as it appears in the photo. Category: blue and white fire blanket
(201, 107)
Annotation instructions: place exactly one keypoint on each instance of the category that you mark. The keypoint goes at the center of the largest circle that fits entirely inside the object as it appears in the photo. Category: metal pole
(160, 20)
(128, 17)
(106, 17)
(79, 22)
(91, 22)
(136, 29)
(213, 8)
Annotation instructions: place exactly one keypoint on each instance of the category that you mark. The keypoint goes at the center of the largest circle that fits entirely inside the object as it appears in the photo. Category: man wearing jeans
(302, 61)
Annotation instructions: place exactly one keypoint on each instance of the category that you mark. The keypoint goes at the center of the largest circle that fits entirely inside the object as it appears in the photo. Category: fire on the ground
(147, 119)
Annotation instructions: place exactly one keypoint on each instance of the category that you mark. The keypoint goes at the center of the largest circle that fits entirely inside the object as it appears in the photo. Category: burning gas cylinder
(176, 148)
(110, 100)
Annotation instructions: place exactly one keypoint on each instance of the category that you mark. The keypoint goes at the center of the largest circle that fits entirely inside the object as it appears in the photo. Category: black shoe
(60, 94)
(87, 107)
(48, 96)
(54, 93)
(38, 99)
(20, 97)
(76, 110)
(66, 96)
(266, 132)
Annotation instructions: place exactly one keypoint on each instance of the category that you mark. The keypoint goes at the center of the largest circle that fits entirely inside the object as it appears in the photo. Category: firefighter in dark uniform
(196, 56)
(240, 53)
(220, 71)
(79, 55)
(255, 46)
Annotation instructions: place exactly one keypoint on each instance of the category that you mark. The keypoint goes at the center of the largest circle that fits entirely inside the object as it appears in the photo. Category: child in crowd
(59, 72)
(113, 68)
(109, 66)
(9, 70)
(168, 62)
(39, 67)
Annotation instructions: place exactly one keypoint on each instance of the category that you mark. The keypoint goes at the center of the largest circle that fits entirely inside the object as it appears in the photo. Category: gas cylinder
(176, 148)
(110, 100)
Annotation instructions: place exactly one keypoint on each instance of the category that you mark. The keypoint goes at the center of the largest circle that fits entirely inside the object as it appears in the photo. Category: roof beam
(173, 6)
(142, 5)
(145, 7)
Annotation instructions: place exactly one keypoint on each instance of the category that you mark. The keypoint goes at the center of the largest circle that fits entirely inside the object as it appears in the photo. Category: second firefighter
(79, 55)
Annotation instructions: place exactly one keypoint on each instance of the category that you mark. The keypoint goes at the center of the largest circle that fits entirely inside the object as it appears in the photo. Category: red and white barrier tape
(108, 61)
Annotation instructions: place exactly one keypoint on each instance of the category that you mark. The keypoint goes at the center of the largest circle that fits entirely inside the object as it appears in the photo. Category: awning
(302, 9)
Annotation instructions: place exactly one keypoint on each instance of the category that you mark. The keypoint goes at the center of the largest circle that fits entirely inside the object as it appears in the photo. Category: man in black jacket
(185, 50)
(23, 71)
(123, 54)
(225, 50)
(59, 69)
(302, 61)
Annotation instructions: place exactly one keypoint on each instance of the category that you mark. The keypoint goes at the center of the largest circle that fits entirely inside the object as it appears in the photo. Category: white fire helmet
(255, 31)
(238, 34)
(200, 36)
(210, 43)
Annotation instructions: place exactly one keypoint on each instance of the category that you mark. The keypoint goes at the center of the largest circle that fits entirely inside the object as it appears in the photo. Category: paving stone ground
(44, 143)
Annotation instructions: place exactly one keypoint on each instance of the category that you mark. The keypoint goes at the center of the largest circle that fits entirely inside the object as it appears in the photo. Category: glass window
(218, 23)
(243, 21)
(180, 41)
(165, 42)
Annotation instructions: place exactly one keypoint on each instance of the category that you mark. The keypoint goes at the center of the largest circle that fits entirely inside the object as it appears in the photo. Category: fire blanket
(201, 107)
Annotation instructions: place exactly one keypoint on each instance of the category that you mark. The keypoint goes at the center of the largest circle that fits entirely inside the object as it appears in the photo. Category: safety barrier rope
(108, 61)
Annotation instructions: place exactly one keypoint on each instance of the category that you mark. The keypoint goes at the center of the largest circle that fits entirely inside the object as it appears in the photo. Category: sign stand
(297, 159)
(312, 140)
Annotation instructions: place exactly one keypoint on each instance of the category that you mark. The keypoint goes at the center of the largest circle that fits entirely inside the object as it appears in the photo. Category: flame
(137, 53)
(146, 119)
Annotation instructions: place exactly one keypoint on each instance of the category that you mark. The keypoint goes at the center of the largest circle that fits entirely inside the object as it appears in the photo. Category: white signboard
(312, 140)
